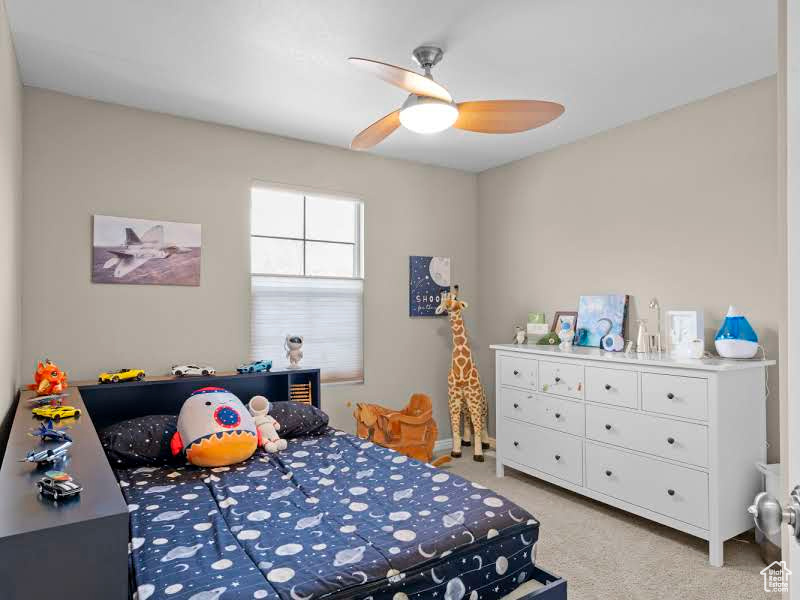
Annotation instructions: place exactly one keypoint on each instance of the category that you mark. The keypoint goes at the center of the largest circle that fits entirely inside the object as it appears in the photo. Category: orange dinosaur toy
(48, 379)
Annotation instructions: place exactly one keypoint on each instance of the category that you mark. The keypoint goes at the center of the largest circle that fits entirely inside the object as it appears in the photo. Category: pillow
(144, 441)
(298, 419)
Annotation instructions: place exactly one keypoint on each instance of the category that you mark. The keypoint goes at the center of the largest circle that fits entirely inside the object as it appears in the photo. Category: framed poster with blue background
(428, 279)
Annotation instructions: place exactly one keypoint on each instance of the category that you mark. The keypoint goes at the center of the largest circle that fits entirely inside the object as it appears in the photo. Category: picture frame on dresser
(671, 441)
(570, 316)
(683, 326)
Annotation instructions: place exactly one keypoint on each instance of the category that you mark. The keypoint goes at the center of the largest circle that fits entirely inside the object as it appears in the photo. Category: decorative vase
(736, 338)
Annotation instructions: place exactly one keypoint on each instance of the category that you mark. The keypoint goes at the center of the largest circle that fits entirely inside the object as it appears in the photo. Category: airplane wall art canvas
(141, 251)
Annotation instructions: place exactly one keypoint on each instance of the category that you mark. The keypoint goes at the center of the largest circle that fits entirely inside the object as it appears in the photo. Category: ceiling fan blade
(377, 132)
(506, 116)
(402, 78)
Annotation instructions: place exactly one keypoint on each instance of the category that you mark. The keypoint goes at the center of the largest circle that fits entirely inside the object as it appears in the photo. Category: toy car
(257, 366)
(56, 412)
(182, 370)
(121, 375)
(58, 488)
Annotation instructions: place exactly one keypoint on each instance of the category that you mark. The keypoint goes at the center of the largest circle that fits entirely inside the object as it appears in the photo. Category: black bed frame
(81, 547)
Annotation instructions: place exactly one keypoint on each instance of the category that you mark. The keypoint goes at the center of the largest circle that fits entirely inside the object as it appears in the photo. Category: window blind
(326, 312)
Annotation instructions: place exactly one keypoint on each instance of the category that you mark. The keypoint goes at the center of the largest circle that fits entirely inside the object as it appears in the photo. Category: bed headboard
(111, 403)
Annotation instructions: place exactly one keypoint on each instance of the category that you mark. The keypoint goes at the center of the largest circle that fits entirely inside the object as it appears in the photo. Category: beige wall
(84, 157)
(688, 197)
(11, 211)
(680, 206)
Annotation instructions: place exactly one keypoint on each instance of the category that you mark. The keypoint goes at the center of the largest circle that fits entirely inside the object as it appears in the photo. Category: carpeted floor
(608, 554)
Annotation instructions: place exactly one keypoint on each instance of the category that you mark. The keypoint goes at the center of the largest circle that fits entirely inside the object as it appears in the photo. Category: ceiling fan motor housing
(427, 57)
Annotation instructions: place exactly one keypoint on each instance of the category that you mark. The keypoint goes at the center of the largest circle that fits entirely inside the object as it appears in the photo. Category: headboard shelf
(110, 403)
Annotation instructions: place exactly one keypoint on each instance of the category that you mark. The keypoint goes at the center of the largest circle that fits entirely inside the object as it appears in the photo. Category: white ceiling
(280, 66)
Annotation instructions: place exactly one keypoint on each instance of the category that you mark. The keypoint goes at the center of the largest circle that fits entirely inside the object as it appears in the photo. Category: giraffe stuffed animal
(464, 382)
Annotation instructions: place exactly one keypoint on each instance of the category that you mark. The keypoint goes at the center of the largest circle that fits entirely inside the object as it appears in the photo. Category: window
(306, 266)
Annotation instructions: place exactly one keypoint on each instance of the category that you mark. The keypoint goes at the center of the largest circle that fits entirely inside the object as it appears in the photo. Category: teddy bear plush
(266, 425)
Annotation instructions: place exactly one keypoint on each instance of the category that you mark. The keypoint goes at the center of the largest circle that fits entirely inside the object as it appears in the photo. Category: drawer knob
(671, 396)
(670, 440)
(671, 492)
(516, 405)
(557, 457)
(608, 473)
(608, 387)
(516, 443)
(608, 427)
(530, 397)
(516, 372)
(557, 415)
(558, 379)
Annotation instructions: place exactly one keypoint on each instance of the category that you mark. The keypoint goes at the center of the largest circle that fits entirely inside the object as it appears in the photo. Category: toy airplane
(47, 431)
(47, 455)
(138, 250)
(53, 399)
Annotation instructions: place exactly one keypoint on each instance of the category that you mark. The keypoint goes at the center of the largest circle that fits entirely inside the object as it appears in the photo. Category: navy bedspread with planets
(330, 517)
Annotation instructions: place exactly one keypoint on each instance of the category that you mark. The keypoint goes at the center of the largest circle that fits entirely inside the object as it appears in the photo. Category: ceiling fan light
(422, 114)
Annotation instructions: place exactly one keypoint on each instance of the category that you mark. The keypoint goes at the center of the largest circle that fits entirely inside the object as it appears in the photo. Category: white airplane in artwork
(138, 251)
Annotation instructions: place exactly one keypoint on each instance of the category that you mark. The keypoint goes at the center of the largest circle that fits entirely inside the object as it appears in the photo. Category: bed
(333, 516)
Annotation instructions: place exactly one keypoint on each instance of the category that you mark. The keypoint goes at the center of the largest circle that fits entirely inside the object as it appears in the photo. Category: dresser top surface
(651, 359)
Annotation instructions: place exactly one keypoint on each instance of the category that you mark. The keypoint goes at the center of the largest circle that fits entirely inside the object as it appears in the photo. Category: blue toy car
(257, 366)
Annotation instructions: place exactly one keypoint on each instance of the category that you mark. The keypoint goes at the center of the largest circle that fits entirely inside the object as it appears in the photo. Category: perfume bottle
(642, 339)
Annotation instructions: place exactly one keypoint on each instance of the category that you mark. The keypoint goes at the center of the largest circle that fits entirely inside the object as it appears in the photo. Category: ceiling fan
(429, 107)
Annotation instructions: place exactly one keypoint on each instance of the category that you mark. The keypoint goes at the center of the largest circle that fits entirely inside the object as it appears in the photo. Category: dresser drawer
(542, 449)
(548, 411)
(611, 386)
(673, 395)
(518, 371)
(562, 379)
(678, 440)
(676, 492)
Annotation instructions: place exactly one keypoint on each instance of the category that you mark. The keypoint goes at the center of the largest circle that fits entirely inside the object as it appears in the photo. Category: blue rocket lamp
(736, 338)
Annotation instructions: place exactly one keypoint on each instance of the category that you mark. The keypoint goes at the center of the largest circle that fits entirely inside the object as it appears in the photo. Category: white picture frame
(683, 326)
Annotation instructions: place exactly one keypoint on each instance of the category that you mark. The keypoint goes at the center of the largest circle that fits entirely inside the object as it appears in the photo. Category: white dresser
(672, 440)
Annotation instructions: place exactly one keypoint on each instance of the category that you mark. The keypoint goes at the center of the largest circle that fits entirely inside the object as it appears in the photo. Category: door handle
(769, 515)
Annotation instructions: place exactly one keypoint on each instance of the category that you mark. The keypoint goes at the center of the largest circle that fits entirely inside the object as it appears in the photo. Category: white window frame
(358, 251)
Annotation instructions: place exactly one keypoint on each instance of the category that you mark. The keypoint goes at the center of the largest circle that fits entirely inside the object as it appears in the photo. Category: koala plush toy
(293, 345)
(266, 425)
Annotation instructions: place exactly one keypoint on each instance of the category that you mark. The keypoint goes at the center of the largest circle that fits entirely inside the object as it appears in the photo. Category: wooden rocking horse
(411, 431)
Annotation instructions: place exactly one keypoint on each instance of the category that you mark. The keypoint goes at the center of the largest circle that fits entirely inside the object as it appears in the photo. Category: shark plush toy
(215, 429)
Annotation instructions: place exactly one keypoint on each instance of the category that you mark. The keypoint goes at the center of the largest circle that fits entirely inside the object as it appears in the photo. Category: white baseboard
(442, 445)
(447, 443)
